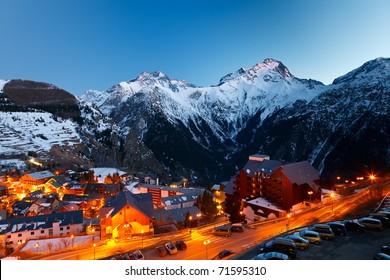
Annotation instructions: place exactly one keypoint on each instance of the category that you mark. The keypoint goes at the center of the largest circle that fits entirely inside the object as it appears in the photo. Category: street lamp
(142, 239)
(332, 196)
(37, 246)
(288, 221)
(206, 243)
(372, 178)
(72, 237)
(94, 250)
(310, 193)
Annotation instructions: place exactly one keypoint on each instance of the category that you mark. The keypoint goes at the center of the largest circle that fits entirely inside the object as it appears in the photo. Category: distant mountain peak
(156, 75)
(269, 64)
(278, 66)
(371, 71)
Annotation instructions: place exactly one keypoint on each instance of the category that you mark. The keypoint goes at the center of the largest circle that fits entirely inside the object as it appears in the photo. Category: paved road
(238, 242)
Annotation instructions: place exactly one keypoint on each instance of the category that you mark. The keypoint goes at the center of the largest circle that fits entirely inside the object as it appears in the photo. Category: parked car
(137, 255)
(171, 248)
(271, 256)
(299, 241)
(312, 236)
(384, 220)
(125, 256)
(385, 212)
(385, 249)
(324, 230)
(352, 225)
(381, 256)
(223, 254)
(338, 228)
(222, 231)
(372, 224)
(181, 245)
(237, 227)
(281, 245)
(161, 251)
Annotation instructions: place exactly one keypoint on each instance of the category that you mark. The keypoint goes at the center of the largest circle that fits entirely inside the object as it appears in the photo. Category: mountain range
(172, 128)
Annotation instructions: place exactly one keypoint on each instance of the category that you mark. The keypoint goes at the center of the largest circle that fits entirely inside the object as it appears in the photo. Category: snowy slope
(2, 83)
(23, 132)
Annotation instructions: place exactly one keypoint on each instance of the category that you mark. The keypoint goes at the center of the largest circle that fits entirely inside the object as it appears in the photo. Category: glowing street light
(72, 237)
(94, 250)
(142, 239)
(288, 221)
(372, 178)
(310, 193)
(37, 246)
(332, 196)
(206, 243)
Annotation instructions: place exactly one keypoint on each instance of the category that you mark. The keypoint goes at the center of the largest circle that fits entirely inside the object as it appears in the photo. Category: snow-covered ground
(102, 172)
(14, 163)
(31, 131)
(58, 244)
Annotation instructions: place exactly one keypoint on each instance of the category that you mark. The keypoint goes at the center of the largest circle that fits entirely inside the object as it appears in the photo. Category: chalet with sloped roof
(36, 178)
(126, 215)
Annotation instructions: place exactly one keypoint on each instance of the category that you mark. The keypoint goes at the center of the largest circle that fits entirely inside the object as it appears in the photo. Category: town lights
(206, 243)
(310, 193)
(372, 178)
(332, 196)
(288, 221)
(37, 246)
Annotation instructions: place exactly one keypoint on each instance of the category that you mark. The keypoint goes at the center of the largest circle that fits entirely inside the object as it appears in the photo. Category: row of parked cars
(228, 229)
(171, 248)
(136, 255)
(384, 253)
(285, 247)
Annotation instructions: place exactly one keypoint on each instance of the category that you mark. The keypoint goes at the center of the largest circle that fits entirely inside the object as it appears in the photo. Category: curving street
(203, 245)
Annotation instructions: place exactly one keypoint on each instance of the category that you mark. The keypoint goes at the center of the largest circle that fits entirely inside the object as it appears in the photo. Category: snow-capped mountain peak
(156, 75)
(370, 72)
(265, 69)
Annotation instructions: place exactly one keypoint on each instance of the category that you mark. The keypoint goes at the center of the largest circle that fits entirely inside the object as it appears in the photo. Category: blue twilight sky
(82, 44)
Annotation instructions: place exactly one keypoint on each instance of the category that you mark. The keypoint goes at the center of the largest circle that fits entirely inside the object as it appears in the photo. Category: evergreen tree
(116, 178)
(91, 177)
(233, 208)
(207, 205)
(108, 179)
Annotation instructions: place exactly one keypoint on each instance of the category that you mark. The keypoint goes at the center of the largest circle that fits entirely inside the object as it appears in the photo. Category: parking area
(354, 246)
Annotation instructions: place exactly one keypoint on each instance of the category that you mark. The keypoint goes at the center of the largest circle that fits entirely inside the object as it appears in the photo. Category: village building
(105, 189)
(182, 183)
(151, 179)
(90, 204)
(16, 231)
(283, 185)
(36, 178)
(179, 201)
(174, 219)
(160, 192)
(126, 215)
(3, 191)
(74, 188)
